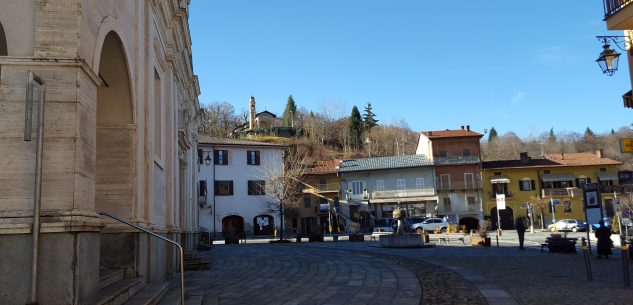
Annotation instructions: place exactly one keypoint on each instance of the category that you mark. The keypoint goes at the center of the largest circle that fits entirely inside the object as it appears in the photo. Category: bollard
(625, 264)
(586, 256)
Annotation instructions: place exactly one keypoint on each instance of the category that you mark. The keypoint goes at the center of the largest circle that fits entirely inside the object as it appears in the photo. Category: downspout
(37, 196)
(215, 212)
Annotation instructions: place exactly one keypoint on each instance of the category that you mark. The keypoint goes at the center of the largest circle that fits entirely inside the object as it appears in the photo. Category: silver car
(430, 224)
(573, 225)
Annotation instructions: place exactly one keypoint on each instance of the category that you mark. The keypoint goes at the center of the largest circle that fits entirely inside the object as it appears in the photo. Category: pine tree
(289, 112)
(552, 137)
(369, 118)
(355, 130)
(492, 135)
(588, 132)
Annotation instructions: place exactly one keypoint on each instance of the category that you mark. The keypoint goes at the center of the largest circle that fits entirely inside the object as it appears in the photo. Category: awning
(607, 176)
(404, 199)
(557, 177)
(499, 179)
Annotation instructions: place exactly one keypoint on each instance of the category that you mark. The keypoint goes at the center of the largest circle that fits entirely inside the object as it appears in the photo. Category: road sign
(556, 201)
(626, 145)
(524, 206)
(501, 201)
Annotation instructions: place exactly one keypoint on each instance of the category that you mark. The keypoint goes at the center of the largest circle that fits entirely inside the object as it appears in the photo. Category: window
(526, 185)
(380, 185)
(466, 152)
(445, 181)
(158, 116)
(469, 180)
(357, 187)
(202, 190)
(221, 157)
(256, 187)
(442, 153)
(546, 171)
(401, 184)
(419, 183)
(252, 157)
(224, 188)
(306, 202)
(472, 204)
(447, 204)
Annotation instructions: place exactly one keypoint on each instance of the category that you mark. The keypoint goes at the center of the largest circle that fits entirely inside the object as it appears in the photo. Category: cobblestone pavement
(363, 273)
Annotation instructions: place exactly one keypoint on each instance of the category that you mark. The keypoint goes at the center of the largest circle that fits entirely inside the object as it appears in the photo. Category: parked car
(407, 223)
(573, 225)
(430, 224)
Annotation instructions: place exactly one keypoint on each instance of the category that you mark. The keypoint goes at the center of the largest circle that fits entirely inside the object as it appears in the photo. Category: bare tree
(283, 183)
(220, 119)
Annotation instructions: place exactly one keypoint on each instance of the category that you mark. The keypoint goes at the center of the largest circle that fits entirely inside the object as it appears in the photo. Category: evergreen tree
(588, 133)
(492, 135)
(552, 137)
(290, 112)
(369, 118)
(355, 130)
(612, 132)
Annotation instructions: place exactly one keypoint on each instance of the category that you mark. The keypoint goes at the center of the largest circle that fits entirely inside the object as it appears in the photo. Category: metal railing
(322, 188)
(493, 195)
(472, 185)
(182, 259)
(557, 192)
(613, 6)
(402, 193)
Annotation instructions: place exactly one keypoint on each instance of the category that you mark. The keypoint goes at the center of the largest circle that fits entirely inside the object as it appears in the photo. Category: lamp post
(609, 58)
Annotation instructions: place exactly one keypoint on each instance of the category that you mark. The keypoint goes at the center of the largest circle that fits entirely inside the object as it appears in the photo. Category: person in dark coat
(603, 234)
(520, 227)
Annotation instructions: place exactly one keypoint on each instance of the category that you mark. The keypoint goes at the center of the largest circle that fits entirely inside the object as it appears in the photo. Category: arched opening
(507, 218)
(263, 225)
(116, 135)
(115, 153)
(233, 225)
(3, 42)
(471, 223)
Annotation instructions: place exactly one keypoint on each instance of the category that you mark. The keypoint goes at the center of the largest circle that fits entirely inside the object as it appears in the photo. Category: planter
(357, 237)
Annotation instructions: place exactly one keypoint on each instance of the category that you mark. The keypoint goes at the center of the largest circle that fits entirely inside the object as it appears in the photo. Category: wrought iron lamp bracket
(619, 41)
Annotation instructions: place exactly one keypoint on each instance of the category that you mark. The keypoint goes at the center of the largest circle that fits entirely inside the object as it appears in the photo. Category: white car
(430, 224)
(573, 225)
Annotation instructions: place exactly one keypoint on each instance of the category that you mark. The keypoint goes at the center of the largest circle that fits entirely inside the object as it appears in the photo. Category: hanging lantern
(608, 60)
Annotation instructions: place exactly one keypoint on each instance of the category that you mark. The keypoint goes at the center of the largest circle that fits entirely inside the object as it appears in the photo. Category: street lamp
(207, 160)
(609, 58)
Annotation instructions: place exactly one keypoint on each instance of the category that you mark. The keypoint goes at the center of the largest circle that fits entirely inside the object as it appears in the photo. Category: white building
(232, 187)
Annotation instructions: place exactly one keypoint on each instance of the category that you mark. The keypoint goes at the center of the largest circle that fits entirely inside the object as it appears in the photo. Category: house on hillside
(321, 207)
(232, 186)
(374, 187)
(456, 158)
(556, 178)
(264, 123)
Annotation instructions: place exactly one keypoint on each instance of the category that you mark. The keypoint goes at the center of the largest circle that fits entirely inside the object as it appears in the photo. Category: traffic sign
(626, 145)
(501, 201)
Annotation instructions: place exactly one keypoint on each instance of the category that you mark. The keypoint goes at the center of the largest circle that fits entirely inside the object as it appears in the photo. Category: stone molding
(52, 221)
(52, 62)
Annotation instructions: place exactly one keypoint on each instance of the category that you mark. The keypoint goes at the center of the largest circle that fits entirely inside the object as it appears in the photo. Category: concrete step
(110, 276)
(172, 297)
(119, 292)
(151, 294)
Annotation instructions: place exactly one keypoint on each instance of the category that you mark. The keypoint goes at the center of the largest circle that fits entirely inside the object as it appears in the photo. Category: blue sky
(522, 66)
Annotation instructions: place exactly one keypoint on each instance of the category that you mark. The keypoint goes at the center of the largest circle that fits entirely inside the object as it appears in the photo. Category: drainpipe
(215, 212)
(37, 195)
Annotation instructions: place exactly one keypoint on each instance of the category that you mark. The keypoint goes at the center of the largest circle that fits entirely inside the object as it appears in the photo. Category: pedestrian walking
(603, 234)
(520, 227)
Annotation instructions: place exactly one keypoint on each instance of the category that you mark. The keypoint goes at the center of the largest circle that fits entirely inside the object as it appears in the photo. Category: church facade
(119, 134)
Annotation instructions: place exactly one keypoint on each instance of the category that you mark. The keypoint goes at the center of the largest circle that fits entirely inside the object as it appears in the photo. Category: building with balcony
(553, 180)
(321, 205)
(374, 187)
(618, 15)
(232, 186)
(456, 157)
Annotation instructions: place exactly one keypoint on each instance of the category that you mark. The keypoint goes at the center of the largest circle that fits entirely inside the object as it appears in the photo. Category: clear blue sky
(522, 66)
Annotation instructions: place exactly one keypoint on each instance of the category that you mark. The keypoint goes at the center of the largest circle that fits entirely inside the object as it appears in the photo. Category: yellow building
(553, 180)
(320, 206)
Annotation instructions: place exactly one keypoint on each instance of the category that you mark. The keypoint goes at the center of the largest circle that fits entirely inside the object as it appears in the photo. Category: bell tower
(251, 107)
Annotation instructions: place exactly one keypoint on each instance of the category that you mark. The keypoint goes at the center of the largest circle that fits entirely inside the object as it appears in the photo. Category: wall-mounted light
(207, 160)
(609, 58)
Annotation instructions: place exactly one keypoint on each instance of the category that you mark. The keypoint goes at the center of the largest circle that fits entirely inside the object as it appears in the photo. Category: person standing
(520, 227)
(603, 234)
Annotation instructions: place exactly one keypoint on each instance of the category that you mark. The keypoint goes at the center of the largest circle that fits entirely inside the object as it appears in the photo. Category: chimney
(468, 127)
(525, 159)
(462, 127)
(599, 153)
(251, 107)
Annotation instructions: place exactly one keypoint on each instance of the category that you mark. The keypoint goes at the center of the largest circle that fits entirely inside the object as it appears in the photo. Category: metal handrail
(148, 231)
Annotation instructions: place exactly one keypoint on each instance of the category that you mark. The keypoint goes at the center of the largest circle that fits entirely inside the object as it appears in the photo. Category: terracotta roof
(553, 160)
(325, 167)
(224, 141)
(458, 133)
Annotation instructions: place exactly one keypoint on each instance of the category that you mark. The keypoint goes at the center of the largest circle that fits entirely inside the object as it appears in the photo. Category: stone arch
(507, 218)
(4, 51)
(115, 132)
(471, 223)
(233, 224)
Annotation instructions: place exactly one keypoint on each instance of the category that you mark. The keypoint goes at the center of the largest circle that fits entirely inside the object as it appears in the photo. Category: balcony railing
(322, 188)
(462, 209)
(456, 160)
(613, 6)
(474, 185)
(402, 193)
(557, 192)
